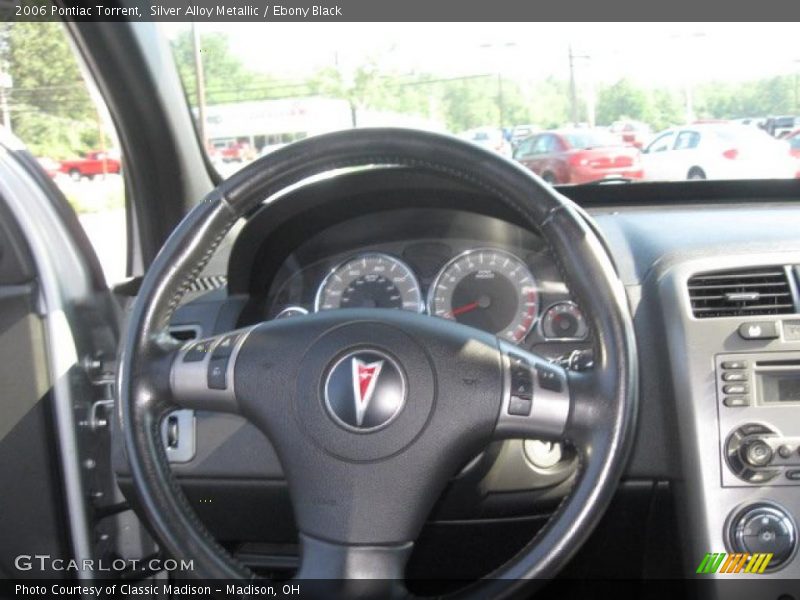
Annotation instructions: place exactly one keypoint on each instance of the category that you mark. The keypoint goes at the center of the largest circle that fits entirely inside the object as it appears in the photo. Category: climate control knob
(764, 528)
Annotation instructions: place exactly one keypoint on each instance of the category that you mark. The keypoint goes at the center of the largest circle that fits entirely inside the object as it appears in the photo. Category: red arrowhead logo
(365, 376)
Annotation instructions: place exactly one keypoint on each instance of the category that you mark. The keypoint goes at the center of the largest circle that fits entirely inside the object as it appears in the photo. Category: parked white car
(717, 151)
(489, 137)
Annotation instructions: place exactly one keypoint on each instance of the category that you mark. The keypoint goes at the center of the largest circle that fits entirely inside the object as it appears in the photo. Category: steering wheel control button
(225, 346)
(759, 330)
(734, 364)
(198, 351)
(549, 379)
(764, 528)
(217, 373)
(520, 407)
(365, 391)
(521, 379)
(736, 401)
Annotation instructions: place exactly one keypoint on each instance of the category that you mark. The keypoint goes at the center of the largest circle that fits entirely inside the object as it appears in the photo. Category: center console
(734, 354)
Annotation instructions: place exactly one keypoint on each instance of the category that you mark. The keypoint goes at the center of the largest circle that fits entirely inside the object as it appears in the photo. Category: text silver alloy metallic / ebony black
(486, 288)
(365, 390)
(370, 280)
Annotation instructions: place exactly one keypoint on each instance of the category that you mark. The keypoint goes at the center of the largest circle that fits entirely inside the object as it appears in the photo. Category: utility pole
(200, 86)
(500, 107)
(573, 94)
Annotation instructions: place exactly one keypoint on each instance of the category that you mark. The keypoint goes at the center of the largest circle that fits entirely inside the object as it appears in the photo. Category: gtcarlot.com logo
(740, 562)
(44, 562)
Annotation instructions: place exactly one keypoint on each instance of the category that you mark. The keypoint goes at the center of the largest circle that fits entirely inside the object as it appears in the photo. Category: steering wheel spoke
(203, 372)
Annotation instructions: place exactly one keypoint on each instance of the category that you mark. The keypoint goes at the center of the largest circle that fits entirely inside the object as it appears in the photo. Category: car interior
(386, 362)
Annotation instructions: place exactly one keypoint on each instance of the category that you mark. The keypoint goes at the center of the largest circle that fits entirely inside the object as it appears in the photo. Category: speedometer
(370, 280)
(489, 289)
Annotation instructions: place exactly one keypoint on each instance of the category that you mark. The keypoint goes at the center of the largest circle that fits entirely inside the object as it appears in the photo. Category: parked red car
(91, 164)
(794, 142)
(579, 156)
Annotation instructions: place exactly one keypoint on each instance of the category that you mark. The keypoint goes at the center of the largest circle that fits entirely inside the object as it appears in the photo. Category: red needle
(465, 308)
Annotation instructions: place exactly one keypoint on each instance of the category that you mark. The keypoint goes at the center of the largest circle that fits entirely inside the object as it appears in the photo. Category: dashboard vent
(746, 292)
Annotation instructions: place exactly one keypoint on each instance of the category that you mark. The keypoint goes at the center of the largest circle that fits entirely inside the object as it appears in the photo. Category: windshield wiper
(603, 180)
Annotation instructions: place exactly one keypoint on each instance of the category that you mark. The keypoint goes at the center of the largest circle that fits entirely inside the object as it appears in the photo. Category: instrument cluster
(490, 288)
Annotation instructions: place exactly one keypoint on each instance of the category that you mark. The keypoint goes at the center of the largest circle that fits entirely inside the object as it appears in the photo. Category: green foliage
(50, 107)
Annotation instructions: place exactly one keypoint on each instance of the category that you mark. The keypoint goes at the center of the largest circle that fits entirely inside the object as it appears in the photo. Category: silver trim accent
(184, 451)
(394, 259)
(459, 256)
(349, 356)
(540, 323)
(189, 380)
(283, 313)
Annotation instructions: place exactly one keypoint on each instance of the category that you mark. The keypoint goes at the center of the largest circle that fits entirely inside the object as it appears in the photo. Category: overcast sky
(652, 53)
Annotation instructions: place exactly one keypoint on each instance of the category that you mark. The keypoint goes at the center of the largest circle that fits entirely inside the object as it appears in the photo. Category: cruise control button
(737, 388)
(734, 401)
(225, 346)
(761, 330)
(549, 379)
(734, 364)
(198, 351)
(519, 407)
(217, 371)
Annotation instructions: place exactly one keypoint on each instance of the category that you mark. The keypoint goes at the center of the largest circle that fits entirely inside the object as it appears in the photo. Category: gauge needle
(466, 308)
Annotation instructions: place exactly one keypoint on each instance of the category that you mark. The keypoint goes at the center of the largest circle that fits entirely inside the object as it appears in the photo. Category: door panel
(32, 519)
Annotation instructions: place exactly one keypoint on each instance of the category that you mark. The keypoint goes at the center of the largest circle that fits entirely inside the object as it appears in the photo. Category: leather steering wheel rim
(601, 421)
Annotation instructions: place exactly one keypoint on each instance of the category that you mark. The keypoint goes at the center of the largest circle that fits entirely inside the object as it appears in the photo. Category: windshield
(584, 140)
(254, 88)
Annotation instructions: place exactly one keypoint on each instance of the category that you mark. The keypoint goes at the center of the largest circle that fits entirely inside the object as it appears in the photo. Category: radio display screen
(780, 387)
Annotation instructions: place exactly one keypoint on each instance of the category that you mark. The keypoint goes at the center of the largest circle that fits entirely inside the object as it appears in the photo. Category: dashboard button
(736, 388)
(736, 376)
(736, 401)
(793, 475)
(760, 330)
(785, 451)
(734, 364)
(758, 453)
(519, 407)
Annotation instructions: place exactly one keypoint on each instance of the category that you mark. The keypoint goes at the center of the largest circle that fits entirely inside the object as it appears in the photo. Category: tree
(51, 110)
(622, 100)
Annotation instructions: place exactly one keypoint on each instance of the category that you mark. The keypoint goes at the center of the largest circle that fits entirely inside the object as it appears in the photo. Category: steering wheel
(372, 411)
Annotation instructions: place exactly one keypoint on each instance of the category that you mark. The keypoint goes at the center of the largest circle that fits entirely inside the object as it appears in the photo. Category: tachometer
(490, 289)
(370, 280)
